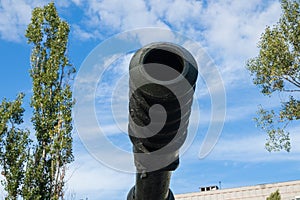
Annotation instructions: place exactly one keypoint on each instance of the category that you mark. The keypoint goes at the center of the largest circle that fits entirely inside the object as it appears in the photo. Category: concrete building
(288, 191)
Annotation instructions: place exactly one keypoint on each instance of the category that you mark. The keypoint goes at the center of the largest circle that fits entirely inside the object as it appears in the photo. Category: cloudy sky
(221, 34)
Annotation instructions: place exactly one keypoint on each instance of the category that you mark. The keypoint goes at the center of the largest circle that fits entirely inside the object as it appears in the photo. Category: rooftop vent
(208, 188)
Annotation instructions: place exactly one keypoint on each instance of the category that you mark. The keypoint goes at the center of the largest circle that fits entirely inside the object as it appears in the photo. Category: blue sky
(227, 30)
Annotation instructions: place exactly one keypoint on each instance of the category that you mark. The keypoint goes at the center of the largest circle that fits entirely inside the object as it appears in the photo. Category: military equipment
(162, 83)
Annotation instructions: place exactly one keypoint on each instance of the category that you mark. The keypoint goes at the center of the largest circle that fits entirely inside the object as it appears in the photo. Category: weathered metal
(160, 74)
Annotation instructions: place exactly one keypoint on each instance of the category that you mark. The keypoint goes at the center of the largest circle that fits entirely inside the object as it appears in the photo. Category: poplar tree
(52, 104)
(36, 169)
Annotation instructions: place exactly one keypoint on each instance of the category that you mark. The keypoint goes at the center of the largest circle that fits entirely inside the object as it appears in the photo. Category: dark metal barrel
(162, 83)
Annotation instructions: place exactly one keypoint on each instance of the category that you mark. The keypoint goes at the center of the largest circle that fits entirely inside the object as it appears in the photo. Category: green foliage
(277, 69)
(274, 127)
(52, 103)
(274, 196)
(14, 143)
(37, 170)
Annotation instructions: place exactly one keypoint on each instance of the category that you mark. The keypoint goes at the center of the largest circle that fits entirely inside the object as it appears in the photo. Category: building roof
(288, 190)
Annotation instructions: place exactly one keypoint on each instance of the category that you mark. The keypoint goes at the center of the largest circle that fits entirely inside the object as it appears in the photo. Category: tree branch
(61, 76)
(294, 82)
(284, 90)
(298, 83)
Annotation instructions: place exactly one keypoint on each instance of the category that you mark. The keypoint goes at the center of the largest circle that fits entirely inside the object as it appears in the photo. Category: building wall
(288, 191)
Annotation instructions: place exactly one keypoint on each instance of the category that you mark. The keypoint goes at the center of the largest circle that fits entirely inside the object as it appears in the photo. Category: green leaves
(274, 196)
(278, 59)
(37, 170)
(291, 109)
(274, 126)
(52, 100)
(11, 111)
(277, 69)
(14, 144)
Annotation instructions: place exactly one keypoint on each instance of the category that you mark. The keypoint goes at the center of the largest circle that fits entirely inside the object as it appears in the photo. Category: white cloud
(229, 30)
(232, 30)
(234, 27)
(89, 178)
(179, 14)
(14, 17)
(63, 3)
(230, 26)
(114, 15)
(247, 108)
(77, 2)
(250, 148)
(247, 147)
(82, 34)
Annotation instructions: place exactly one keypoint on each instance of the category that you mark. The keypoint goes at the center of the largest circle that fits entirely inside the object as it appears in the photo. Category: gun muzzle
(162, 83)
